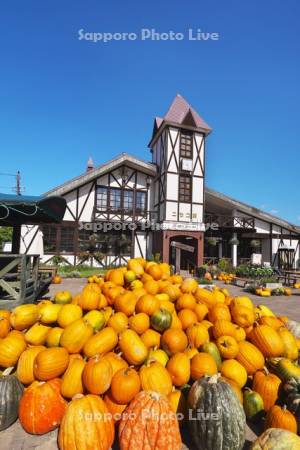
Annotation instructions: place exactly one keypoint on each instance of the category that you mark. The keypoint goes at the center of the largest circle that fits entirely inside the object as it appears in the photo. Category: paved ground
(14, 438)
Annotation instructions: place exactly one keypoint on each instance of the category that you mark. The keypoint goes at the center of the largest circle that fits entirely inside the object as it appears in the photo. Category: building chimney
(90, 164)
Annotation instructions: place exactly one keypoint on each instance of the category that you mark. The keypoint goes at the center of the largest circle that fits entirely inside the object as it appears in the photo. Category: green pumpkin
(292, 397)
(253, 404)
(276, 439)
(161, 320)
(11, 391)
(217, 420)
(212, 350)
(284, 368)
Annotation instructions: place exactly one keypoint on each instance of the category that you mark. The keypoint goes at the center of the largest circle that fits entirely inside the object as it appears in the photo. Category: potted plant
(255, 244)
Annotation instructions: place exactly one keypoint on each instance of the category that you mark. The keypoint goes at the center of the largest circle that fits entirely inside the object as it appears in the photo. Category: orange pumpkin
(178, 404)
(187, 318)
(41, 407)
(76, 335)
(56, 279)
(189, 286)
(147, 304)
(267, 385)
(72, 378)
(280, 417)
(97, 375)
(118, 321)
(289, 343)
(125, 385)
(151, 338)
(273, 322)
(144, 424)
(243, 316)
(205, 296)
(155, 271)
(90, 297)
(113, 407)
(172, 291)
(267, 340)
(116, 361)
(126, 303)
(173, 341)
(50, 363)
(78, 431)
(201, 311)
(219, 312)
(151, 287)
(155, 377)
(250, 357)
(197, 335)
(223, 328)
(53, 337)
(11, 347)
(186, 301)
(228, 347)
(139, 323)
(178, 367)
(203, 364)
(4, 327)
(68, 314)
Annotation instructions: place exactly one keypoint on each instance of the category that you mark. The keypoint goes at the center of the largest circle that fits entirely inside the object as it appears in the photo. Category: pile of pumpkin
(267, 292)
(227, 278)
(139, 345)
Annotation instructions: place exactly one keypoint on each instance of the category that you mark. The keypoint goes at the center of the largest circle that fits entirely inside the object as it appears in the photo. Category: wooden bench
(241, 282)
(289, 278)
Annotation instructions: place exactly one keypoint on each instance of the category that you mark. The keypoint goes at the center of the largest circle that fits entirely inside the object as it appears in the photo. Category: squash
(284, 368)
(50, 363)
(228, 347)
(179, 368)
(267, 340)
(68, 314)
(243, 316)
(267, 385)
(186, 301)
(280, 417)
(151, 286)
(271, 321)
(11, 391)
(161, 320)
(233, 370)
(97, 375)
(212, 349)
(242, 301)
(223, 328)
(76, 335)
(187, 317)
(178, 404)
(134, 350)
(139, 323)
(203, 364)
(11, 348)
(151, 338)
(102, 342)
(53, 337)
(48, 313)
(96, 319)
(250, 357)
(25, 364)
(72, 378)
(155, 377)
(118, 322)
(191, 352)
(126, 303)
(219, 312)
(289, 343)
(201, 311)
(86, 425)
(214, 397)
(276, 439)
(125, 385)
(42, 407)
(37, 334)
(144, 424)
(240, 334)
(197, 335)
(173, 341)
(90, 297)
(116, 361)
(253, 404)
(205, 296)
(56, 279)
(24, 316)
(4, 314)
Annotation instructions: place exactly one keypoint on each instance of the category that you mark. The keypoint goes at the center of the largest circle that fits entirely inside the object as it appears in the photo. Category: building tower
(178, 150)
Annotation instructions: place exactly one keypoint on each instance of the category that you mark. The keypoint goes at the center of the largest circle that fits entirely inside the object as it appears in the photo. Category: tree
(5, 235)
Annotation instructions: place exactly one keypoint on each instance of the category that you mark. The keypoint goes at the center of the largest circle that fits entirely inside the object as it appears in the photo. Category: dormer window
(186, 145)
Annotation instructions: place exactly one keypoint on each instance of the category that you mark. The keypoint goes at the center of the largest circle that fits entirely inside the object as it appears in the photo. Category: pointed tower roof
(181, 113)
(90, 164)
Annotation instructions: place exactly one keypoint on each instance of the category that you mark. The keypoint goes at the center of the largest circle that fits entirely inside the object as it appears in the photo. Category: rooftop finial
(90, 164)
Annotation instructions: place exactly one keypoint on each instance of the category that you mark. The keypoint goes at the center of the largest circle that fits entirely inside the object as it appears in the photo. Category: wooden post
(16, 239)
(177, 259)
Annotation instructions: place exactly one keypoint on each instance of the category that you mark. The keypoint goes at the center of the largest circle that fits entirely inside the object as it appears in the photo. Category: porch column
(234, 251)
(16, 240)
(200, 250)
(220, 250)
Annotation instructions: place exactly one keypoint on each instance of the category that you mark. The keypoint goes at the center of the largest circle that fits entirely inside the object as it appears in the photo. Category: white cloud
(274, 211)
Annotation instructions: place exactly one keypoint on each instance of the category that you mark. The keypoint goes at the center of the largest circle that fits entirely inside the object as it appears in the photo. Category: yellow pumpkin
(24, 316)
(234, 371)
(178, 367)
(151, 338)
(147, 304)
(155, 377)
(242, 301)
(116, 361)
(72, 378)
(126, 303)
(189, 286)
(11, 348)
(289, 343)
(243, 316)
(96, 319)
(68, 314)
(50, 363)
(37, 334)
(49, 313)
(76, 335)
(53, 337)
(139, 323)
(223, 328)
(267, 340)
(197, 335)
(25, 364)
(134, 350)
(97, 375)
(118, 321)
(159, 355)
(102, 342)
(206, 297)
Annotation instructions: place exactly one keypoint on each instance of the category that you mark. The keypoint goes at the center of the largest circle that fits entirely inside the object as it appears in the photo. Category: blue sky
(62, 99)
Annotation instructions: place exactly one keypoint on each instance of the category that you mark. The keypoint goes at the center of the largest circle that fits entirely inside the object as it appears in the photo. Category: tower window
(185, 188)
(186, 145)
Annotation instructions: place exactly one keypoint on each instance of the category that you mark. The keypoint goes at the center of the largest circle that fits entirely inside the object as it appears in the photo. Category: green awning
(23, 209)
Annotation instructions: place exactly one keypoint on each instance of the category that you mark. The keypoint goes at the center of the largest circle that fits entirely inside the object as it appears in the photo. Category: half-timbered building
(128, 207)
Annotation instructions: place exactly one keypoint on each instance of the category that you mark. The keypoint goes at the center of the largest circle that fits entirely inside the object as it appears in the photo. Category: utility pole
(18, 183)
